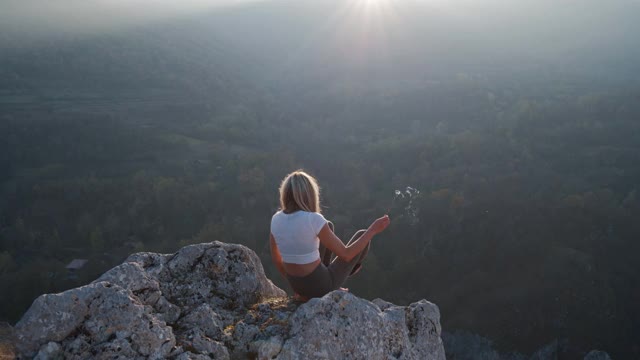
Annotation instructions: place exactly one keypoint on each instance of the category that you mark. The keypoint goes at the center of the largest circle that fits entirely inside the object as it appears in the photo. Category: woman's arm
(346, 253)
(275, 256)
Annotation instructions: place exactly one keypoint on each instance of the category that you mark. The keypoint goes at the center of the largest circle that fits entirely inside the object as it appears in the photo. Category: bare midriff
(300, 269)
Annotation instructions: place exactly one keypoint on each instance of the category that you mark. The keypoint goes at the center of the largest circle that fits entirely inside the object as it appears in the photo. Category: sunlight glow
(375, 6)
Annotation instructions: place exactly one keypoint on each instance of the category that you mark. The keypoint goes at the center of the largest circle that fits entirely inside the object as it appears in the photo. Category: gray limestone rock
(213, 301)
(53, 317)
(191, 356)
(199, 273)
(49, 351)
(99, 313)
(268, 348)
(195, 340)
(205, 319)
(341, 325)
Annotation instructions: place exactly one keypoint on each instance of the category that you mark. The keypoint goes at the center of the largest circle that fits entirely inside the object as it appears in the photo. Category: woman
(302, 240)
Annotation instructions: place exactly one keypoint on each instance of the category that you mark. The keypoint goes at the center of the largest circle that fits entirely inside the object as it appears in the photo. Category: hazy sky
(92, 15)
(362, 27)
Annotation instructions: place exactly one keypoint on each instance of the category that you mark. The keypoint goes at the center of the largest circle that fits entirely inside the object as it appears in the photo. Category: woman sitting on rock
(302, 240)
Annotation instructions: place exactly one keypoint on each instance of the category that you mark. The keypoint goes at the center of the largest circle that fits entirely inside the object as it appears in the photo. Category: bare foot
(344, 289)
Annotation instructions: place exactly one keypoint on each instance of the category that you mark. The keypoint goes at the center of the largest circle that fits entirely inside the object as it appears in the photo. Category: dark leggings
(330, 274)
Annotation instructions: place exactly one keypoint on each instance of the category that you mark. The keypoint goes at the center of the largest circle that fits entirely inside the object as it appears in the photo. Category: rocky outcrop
(342, 326)
(213, 300)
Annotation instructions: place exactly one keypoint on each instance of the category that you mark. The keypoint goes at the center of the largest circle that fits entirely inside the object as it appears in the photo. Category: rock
(191, 356)
(268, 348)
(200, 273)
(51, 350)
(167, 311)
(205, 319)
(341, 325)
(196, 340)
(133, 277)
(102, 313)
(213, 300)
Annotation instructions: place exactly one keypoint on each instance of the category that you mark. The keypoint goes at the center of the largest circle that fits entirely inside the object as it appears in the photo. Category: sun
(374, 7)
(374, 3)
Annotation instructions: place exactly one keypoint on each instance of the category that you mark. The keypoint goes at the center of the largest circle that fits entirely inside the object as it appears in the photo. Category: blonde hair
(299, 191)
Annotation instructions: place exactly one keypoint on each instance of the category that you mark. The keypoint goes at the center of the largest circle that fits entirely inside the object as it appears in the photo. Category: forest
(523, 225)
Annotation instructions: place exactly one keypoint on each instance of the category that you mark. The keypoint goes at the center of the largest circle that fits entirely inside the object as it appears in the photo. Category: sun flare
(374, 3)
(374, 8)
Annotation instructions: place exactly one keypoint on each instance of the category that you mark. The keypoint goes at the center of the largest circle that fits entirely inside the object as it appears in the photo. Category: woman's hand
(378, 225)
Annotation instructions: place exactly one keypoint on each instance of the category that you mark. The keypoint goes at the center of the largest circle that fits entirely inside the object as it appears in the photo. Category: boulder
(343, 326)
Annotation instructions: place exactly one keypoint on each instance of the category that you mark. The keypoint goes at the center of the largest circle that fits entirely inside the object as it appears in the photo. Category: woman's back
(296, 235)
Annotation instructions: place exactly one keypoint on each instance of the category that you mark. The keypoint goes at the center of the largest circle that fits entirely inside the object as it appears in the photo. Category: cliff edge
(213, 300)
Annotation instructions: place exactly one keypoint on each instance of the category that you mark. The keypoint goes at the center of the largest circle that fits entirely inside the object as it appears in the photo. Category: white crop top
(296, 235)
